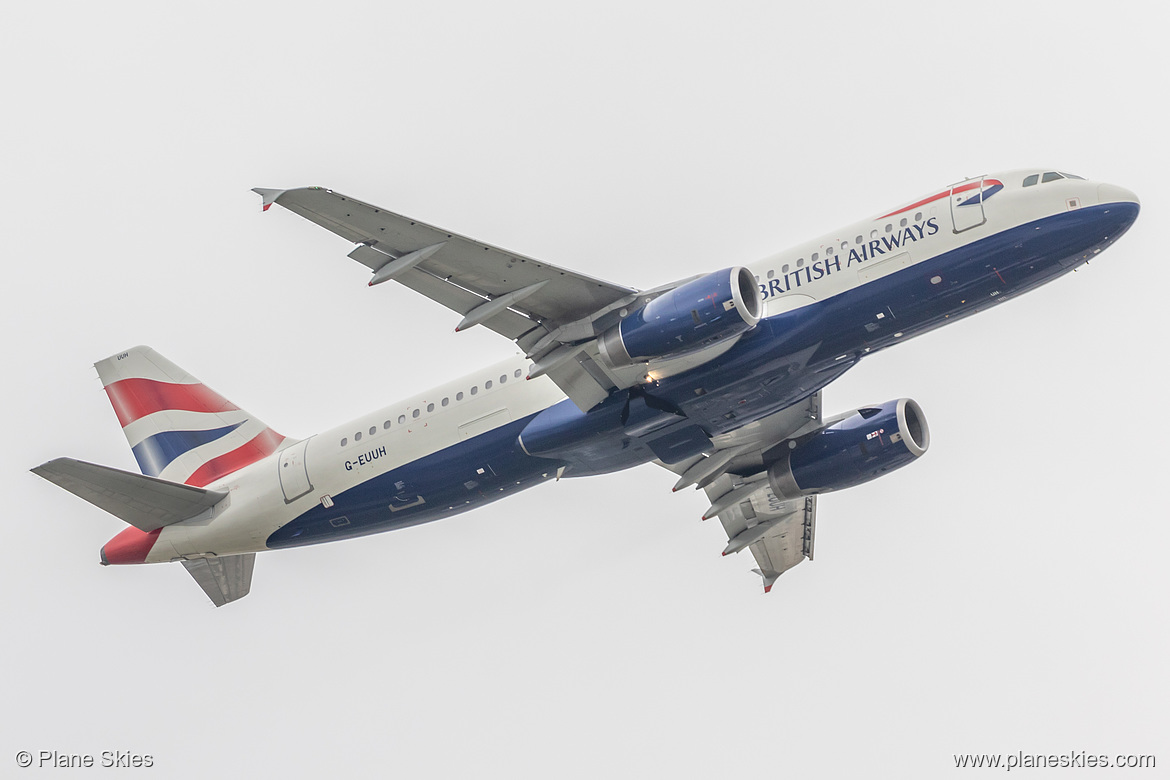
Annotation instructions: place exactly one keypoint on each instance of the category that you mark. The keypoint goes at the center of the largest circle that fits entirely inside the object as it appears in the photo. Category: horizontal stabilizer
(223, 579)
(147, 503)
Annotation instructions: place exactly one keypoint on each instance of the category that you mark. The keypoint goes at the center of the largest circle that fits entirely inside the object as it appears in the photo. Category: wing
(780, 533)
(538, 305)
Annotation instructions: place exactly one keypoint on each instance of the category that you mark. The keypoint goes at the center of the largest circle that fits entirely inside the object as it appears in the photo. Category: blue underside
(783, 360)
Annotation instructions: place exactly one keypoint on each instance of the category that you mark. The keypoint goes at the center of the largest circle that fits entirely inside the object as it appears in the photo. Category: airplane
(717, 377)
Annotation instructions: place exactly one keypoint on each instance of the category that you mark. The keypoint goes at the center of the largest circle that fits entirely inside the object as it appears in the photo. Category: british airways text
(826, 266)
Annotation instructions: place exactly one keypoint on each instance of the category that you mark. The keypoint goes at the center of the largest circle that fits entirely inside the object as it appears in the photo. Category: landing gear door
(294, 473)
(967, 204)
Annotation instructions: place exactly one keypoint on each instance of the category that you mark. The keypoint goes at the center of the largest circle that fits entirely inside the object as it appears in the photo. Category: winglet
(769, 578)
(269, 196)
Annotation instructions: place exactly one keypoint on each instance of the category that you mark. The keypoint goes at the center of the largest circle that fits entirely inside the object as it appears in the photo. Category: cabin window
(344, 441)
(386, 425)
(516, 373)
(416, 413)
(487, 385)
(918, 217)
(903, 222)
(401, 419)
(1030, 180)
(446, 401)
(474, 389)
(373, 429)
(858, 240)
(430, 407)
(771, 273)
(459, 396)
(503, 378)
(814, 259)
(784, 270)
(1050, 176)
(357, 436)
(889, 227)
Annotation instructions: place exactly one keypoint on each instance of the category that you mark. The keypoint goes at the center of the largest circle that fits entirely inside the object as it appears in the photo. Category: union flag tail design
(179, 428)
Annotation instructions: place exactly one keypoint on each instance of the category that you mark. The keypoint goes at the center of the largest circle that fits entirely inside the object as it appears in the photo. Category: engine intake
(686, 319)
(868, 443)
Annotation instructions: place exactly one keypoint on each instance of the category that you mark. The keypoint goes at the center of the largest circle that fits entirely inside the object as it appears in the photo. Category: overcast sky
(1006, 593)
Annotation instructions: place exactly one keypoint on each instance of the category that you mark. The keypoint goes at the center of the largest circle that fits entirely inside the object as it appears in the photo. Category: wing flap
(147, 503)
(223, 579)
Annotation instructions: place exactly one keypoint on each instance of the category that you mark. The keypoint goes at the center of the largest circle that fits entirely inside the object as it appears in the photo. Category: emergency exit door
(967, 204)
(294, 473)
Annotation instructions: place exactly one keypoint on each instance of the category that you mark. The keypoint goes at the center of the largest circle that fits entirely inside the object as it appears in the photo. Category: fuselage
(827, 303)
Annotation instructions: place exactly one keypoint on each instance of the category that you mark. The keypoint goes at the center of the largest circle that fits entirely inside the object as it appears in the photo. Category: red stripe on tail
(258, 448)
(135, 398)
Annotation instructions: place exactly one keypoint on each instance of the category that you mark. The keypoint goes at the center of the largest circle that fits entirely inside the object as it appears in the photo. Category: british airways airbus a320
(717, 377)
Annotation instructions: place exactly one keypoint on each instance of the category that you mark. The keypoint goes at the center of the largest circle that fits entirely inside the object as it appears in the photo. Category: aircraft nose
(1111, 193)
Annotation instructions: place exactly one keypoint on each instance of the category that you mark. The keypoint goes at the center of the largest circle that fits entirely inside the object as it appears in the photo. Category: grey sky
(1005, 593)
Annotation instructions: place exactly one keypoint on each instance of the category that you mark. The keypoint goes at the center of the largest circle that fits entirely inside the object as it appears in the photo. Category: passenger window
(446, 401)
(503, 378)
(416, 413)
(858, 240)
(903, 222)
(1030, 180)
(918, 217)
(487, 385)
(784, 270)
(1050, 176)
(889, 228)
(516, 373)
(459, 396)
(357, 436)
(430, 408)
(401, 419)
(344, 442)
(814, 259)
(771, 273)
(373, 429)
(386, 425)
(474, 389)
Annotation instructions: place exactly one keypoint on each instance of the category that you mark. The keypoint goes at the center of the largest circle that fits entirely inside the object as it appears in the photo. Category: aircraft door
(967, 204)
(294, 473)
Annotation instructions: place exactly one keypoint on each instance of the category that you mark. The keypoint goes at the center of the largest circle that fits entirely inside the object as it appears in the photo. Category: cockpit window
(1072, 176)
(1051, 176)
(1030, 180)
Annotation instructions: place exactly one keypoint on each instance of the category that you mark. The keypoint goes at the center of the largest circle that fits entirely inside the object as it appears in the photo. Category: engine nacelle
(686, 319)
(861, 447)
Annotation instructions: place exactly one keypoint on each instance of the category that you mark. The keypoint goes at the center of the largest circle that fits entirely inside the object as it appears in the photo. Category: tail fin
(178, 428)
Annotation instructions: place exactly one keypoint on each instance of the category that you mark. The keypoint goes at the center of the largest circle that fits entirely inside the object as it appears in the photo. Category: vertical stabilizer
(178, 428)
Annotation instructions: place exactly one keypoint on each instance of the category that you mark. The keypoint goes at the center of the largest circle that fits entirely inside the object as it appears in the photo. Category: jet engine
(686, 319)
(862, 446)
